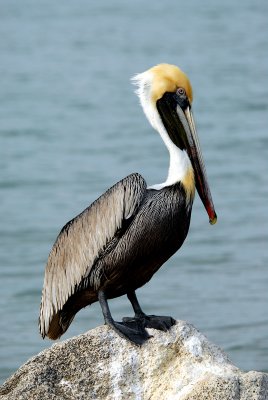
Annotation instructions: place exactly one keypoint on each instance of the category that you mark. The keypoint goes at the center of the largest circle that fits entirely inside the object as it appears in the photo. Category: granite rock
(179, 364)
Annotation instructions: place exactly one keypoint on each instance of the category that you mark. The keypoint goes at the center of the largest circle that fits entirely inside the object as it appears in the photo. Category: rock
(179, 364)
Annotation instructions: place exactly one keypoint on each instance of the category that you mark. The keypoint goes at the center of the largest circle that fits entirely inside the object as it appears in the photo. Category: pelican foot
(132, 330)
(161, 323)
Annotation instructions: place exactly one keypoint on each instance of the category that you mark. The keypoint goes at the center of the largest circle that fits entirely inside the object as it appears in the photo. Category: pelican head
(166, 96)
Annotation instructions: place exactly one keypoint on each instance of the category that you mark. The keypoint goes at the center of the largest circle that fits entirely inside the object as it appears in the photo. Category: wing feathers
(82, 239)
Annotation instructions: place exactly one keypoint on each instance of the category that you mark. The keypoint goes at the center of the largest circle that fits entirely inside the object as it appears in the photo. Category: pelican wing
(82, 239)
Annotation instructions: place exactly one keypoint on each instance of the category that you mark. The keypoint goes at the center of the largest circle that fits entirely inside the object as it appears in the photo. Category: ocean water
(71, 126)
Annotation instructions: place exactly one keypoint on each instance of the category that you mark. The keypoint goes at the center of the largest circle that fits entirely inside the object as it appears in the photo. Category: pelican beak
(191, 142)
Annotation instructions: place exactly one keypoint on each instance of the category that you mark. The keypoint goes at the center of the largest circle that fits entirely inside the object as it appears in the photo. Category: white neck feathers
(180, 167)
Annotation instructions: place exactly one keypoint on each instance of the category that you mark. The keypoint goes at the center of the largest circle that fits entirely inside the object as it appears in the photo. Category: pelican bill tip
(213, 220)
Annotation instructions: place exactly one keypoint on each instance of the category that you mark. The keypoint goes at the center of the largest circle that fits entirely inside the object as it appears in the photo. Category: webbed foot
(161, 323)
(132, 330)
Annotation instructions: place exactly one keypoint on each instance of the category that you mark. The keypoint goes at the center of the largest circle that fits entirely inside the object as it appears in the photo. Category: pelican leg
(134, 333)
(162, 323)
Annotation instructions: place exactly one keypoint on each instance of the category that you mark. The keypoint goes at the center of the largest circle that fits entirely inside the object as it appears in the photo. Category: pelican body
(117, 244)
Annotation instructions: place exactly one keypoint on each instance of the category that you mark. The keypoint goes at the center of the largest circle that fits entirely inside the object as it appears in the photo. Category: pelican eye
(180, 92)
(181, 98)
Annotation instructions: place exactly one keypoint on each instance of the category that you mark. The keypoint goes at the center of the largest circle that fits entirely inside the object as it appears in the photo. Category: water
(71, 127)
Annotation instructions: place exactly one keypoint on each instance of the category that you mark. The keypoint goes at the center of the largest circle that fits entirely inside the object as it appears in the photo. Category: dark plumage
(142, 243)
(118, 243)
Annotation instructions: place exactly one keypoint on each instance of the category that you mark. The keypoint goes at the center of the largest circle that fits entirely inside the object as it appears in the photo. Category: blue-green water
(71, 127)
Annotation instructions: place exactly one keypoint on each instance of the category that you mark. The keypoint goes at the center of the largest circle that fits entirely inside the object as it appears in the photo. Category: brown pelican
(116, 244)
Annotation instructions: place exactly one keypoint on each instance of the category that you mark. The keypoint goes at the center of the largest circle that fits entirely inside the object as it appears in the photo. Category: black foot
(132, 330)
(162, 323)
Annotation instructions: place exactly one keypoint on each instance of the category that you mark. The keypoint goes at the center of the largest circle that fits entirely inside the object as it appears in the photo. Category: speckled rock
(181, 364)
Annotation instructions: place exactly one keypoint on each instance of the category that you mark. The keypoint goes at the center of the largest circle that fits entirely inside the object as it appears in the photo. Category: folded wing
(81, 241)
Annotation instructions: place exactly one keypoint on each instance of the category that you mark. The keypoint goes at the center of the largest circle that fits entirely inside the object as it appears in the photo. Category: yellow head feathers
(167, 78)
(154, 83)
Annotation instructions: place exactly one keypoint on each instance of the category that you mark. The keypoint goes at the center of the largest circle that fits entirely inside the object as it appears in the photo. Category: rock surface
(180, 364)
